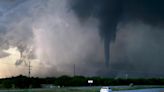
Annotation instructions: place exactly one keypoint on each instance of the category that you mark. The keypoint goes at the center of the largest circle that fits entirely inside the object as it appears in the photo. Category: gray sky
(60, 38)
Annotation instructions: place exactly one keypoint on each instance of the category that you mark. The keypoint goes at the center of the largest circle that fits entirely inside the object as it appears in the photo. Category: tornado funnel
(106, 52)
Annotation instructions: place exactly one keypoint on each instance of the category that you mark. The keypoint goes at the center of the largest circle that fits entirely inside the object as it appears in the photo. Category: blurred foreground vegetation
(67, 81)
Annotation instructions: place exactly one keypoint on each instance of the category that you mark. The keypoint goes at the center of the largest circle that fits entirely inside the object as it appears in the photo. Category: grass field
(55, 90)
(67, 90)
(83, 89)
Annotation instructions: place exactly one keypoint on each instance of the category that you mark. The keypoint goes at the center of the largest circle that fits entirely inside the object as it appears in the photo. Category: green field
(59, 90)
(69, 90)
(83, 89)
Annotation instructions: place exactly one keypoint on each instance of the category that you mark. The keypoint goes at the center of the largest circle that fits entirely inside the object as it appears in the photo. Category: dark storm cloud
(60, 41)
(59, 38)
(111, 12)
(8, 5)
(9, 18)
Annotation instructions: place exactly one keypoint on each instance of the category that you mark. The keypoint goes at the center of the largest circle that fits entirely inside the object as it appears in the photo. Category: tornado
(106, 51)
(53, 17)
(108, 12)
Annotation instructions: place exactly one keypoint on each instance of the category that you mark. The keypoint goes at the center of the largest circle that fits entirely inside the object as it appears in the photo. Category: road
(144, 90)
(139, 90)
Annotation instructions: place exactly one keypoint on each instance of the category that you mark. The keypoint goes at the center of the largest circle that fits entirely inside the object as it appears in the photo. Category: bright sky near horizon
(7, 64)
(8, 67)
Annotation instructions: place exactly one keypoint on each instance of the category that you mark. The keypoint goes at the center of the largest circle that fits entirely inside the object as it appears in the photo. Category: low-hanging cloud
(111, 12)
(59, 40)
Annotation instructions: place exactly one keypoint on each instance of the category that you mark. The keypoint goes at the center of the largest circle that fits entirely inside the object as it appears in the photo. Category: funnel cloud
(58, 34)
(111, 12)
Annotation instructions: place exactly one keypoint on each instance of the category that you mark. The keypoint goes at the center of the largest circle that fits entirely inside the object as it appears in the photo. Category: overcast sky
(55, 35)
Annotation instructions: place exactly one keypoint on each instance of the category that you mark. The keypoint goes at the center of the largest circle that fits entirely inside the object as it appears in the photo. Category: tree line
(66, 81)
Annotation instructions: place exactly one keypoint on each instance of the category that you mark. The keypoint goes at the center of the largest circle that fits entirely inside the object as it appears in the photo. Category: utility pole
(29, 75)
(74, 70)
(29, 69)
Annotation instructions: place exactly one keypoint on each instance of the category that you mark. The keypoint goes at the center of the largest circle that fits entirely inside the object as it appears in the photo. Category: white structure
(105, 89)
(90, 82)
